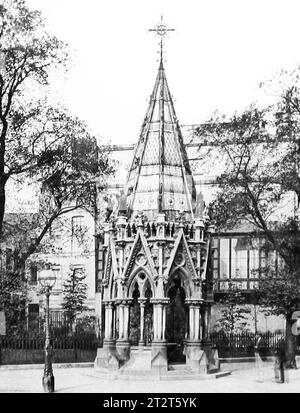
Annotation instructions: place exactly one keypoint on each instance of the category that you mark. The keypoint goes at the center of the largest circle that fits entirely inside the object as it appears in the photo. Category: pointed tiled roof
(160, 179)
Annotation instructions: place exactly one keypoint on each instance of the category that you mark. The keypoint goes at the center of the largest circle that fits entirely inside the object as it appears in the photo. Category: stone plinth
(159, 361)
(123, 349)
(196, 357)
(139, 362)
(212, 355)
(107, 356)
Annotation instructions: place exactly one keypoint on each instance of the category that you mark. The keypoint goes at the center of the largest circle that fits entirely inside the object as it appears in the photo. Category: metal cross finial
(161, 30)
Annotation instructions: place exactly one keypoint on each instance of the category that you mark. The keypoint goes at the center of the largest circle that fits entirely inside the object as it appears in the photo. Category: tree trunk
(3, 176)
(2, 203)
(290, 345)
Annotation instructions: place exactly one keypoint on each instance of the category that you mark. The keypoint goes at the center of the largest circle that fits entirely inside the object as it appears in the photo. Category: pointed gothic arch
(186, 283)
(140, 291)
(176, 316)
(137, 276)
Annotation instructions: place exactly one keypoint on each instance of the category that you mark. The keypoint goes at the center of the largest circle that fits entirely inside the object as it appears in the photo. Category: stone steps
(181, 372)
(178, 367)
(169, 376)
(184, 372)
(194, 376)
(176, 372)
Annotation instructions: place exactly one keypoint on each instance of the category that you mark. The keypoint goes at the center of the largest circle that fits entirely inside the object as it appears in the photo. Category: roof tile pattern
(160, 179)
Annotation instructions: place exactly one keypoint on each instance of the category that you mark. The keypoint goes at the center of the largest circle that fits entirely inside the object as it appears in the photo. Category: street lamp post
(47, 280)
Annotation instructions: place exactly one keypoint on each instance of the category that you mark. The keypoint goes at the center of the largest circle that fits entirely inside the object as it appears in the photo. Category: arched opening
(134, 323)
(141, 312)
(176, 320)
(148, 316)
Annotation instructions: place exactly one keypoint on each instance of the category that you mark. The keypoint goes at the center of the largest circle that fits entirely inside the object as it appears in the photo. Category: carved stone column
(121, 321)
(191, 322)
(197, 325)
(109, 321)
(159, 362)
(142, 302)
(107, 356)
(164, 311)
(126, 320)
(206, 344)
(195, 355)
(194, 320)
(159, 318)
(122, 343)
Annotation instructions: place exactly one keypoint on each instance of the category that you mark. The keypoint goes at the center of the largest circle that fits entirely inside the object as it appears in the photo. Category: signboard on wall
(2, 324)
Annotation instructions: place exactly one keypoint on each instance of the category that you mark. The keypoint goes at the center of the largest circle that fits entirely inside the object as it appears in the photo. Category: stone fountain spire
(159, 178)
(153, 275)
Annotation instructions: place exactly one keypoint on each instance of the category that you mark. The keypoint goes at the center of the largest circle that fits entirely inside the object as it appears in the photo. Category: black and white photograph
(149, 199)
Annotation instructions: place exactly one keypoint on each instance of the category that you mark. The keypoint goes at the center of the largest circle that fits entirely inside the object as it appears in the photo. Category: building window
(253, 263)
(33, 274)
(239, 258)
(33, 316)
(215, 258)
(77, 223)
(33, 308)
(263, 258)
(224, 258)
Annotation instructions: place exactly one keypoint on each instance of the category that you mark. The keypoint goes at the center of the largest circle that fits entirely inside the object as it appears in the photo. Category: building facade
(73, 238)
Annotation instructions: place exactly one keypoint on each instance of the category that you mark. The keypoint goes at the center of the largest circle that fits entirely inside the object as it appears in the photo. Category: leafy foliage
(41, 146)
(233, 314)
(13, 298)
(260, 185)
(74, 294)
(279, 291)
(28, 53)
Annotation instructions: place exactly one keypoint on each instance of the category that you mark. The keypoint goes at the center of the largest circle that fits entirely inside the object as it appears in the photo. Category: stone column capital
(123, 301)
(108, 303)
(160, 301)
(193, 302)
(142, 301)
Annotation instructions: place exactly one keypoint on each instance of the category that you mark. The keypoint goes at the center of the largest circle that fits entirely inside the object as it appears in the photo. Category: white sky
(215, 59)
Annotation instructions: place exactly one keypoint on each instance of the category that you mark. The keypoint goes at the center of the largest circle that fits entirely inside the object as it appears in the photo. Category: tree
(13, 296)
(260, 184)
(72, 173)
(75, 174)
(74, 294)
(233, 314)
(279, 293)
(40, 144)
(28, 53)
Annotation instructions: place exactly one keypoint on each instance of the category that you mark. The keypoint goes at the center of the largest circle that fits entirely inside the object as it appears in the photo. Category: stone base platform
(150, 363)
(175, 372)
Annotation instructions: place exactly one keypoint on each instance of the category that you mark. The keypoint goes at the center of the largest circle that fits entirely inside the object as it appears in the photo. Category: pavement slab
(84, 380)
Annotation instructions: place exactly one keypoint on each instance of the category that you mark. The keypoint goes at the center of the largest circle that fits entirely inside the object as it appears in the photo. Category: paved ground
(83, 380)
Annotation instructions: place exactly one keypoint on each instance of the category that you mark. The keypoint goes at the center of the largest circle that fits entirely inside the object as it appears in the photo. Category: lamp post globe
(47, 280)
